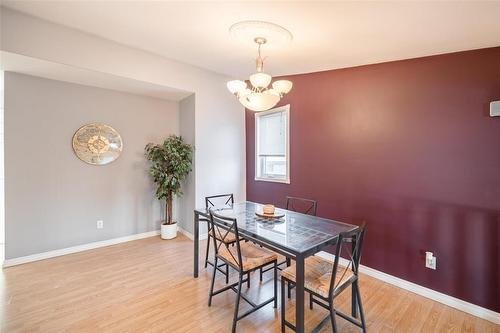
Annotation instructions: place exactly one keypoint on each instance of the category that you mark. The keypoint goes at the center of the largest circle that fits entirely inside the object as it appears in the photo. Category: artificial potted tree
(170, 164)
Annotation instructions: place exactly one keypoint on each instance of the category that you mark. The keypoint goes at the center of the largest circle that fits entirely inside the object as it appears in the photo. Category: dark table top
(295, 232)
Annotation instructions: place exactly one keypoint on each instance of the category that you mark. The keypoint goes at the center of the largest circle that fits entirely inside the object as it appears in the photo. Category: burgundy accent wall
(409, 147)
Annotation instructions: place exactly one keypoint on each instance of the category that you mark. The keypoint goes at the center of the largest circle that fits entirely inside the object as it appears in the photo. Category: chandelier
(261, 95)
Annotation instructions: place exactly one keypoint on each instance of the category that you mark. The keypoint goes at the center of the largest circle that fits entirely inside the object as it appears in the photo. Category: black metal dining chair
(299, 205)
(219, 200)
(325, 280)
(244, 257)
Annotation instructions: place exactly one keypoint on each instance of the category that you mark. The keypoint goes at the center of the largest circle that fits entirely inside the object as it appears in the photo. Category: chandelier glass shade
(261, 95)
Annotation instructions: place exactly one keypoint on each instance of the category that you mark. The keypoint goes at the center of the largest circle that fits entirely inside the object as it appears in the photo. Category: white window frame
(286, 109)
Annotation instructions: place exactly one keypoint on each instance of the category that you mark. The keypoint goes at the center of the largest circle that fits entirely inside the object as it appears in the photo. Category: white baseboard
(185, 233)
(190, 235)
(78, 248)
(453, 302)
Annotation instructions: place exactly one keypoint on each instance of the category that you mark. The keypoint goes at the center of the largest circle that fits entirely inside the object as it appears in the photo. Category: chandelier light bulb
(272, 91)
(260, 80)
(244, 92)
(282, 86)
(236, 86)
(260, 101)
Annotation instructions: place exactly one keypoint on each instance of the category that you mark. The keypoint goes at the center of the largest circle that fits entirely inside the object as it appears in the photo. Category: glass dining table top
(293, 232)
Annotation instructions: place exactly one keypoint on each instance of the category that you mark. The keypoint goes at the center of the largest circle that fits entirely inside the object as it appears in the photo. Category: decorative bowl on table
(269, 212)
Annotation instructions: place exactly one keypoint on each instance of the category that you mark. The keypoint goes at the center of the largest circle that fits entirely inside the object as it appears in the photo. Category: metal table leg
(299, 295)
(354, 305)
(196, 242)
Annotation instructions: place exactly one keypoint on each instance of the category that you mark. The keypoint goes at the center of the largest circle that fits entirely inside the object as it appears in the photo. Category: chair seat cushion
(252, 256)
(222, 237)
(318, 274)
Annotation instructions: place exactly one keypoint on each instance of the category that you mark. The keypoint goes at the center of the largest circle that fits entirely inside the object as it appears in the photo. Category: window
(272, 161)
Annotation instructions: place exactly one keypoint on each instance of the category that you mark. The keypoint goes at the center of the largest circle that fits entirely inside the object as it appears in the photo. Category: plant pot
(169, 231)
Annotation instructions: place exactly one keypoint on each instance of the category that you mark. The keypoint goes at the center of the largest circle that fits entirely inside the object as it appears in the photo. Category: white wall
(219, 119)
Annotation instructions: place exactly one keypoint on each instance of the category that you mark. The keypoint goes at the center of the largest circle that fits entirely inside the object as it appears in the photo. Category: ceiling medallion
(259, 96)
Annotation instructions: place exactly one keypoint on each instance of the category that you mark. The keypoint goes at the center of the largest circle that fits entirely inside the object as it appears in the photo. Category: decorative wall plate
(97, 144)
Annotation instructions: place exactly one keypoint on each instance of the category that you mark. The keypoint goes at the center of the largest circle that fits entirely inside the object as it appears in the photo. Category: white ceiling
(55, 71)
(327, 35)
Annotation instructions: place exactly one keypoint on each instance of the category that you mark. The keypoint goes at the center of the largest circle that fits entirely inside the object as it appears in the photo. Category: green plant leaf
(171, 162)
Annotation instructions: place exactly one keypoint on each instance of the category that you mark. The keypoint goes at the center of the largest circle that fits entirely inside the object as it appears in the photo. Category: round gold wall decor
(97, 144)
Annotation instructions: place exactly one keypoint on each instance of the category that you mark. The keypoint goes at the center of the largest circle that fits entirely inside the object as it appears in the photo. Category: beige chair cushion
(318, 273)
(220, 233)
(252, 256)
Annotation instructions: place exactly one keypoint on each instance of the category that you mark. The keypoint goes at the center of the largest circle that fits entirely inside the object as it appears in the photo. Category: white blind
(272, 134)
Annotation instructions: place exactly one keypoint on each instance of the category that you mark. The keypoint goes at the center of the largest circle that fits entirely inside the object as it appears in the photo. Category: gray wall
(52, 199)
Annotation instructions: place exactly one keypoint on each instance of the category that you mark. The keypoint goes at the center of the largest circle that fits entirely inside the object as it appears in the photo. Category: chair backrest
(350, 243)
(219, 200)
(301, 205)
(223, 226)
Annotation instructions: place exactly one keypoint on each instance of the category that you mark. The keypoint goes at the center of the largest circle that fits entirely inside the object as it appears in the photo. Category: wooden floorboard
(147, 286)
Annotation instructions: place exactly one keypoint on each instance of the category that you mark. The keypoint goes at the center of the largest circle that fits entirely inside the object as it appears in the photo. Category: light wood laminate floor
(147, 286)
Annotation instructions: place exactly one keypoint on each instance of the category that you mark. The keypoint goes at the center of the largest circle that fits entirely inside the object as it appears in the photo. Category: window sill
(273, 180)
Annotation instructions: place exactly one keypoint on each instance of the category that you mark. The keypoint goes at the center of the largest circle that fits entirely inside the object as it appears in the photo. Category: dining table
(294, 235)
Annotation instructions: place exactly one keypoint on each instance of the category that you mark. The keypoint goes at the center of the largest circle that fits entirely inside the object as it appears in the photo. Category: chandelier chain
(259, 61)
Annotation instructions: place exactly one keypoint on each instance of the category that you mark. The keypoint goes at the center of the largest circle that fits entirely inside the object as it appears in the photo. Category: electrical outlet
(100, 224)
(430, 260)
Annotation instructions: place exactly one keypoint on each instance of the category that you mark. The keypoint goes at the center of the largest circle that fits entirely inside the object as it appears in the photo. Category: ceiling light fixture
(259, 96)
